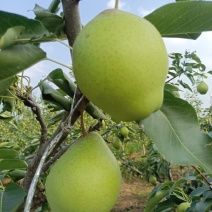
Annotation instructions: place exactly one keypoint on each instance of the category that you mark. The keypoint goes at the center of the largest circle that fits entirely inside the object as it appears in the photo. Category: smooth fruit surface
(202, 88)
(117, 144)
(124, 132)
(143, 159)
(183, 206)
(120, 63)
(86, 178)
(152, 180)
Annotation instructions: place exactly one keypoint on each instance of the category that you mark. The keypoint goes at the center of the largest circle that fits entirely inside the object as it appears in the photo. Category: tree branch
(56, 156)
(203, 176)
(65, 129)
(72, 28)
(72, 19)
(29, 102)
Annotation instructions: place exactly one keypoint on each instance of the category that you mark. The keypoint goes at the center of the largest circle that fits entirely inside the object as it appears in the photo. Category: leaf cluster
(173, 129)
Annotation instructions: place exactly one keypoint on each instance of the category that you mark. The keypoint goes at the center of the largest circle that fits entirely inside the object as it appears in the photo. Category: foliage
(31, 129)
(188, 65)
(192, 188)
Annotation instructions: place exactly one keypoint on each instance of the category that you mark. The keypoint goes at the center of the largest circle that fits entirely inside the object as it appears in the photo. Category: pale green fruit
(202, 88)
(124, 132)
(86, 178)
(143, 159)
(183, 206)
(153, 180)
(120, 63)
(117, 144)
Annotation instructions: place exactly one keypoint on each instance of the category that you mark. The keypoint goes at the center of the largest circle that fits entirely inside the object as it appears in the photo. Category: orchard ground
(135, 191)
(133, 196)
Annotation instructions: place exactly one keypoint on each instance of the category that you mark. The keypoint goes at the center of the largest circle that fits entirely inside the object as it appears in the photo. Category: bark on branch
(72, 19)
(72, 28)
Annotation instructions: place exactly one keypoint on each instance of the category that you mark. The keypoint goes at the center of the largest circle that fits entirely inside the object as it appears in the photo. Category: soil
(134, 192)
(133, 196)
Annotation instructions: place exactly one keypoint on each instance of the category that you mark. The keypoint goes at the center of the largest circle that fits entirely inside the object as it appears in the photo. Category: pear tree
(120, 74)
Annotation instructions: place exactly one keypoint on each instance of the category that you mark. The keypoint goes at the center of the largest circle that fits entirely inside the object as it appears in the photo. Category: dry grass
(133, 196)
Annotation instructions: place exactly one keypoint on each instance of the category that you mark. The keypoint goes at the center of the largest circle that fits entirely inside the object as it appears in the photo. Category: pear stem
(117, 4)
(84, 133)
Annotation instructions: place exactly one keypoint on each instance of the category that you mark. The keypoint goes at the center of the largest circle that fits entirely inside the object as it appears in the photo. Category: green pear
(153, 180)
(183, 207)
(117, 144)
(86, 178)
(143, 159)
(202, 88)
(120, 63)
(124, 132)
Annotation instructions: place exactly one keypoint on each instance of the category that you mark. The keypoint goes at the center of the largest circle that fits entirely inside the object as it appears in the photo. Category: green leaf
(6, 144)
(54, 23)
(1, 177)
(201, 67)
(59, 78)
(185, 85)
(41, 12)
(11, 197)
(170, 87)
(154, 200)
(6, 84)
(10, 36)
(195, 57)
(202, 206)
(33, 28)
(176, 132)
(58, 117)
(51, 95)
(173, 74)
(17, 173)
(6, 116)
(182, 20)
(189, 67)
(17, 58)
(199, 191)
(180, 182)
(191, 78)
(9, 164)
(8, 154)
(165, 205)
(54, 6)
(8, 100)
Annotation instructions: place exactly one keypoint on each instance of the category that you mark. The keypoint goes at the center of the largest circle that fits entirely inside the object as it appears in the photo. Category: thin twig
(73, 27)
(97, 126)
(203, 176)
(171, 79)
(29, 102)
(135, 170)
(57, 156)
(59, 63)
(38, 172)
(48, 149)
